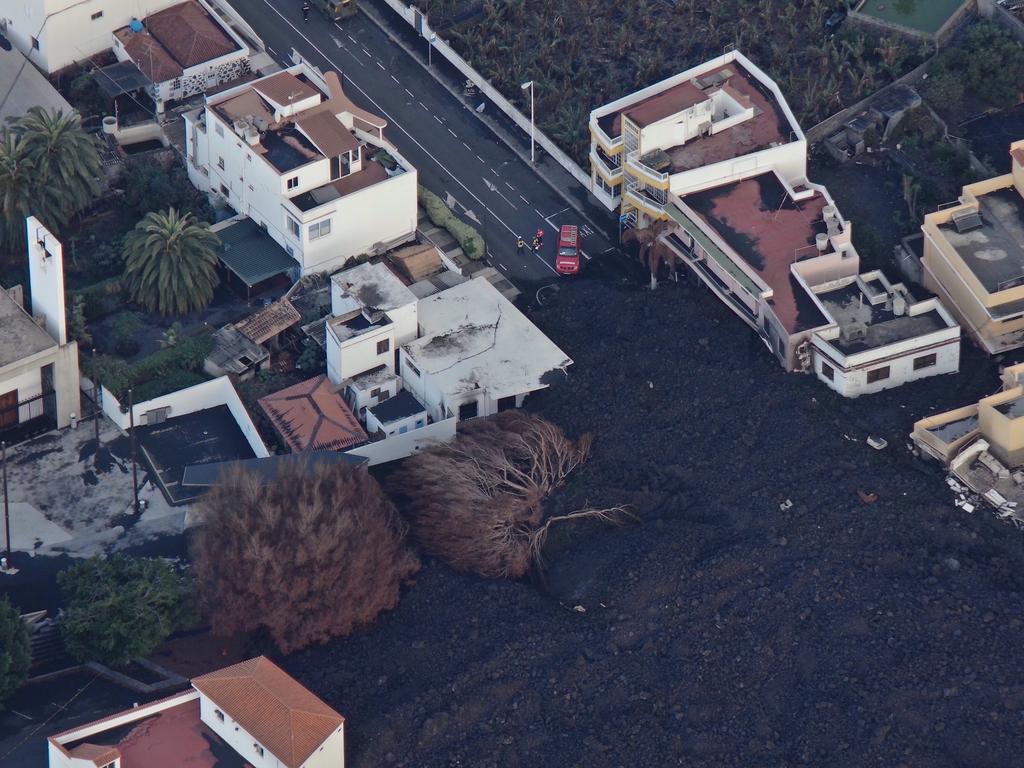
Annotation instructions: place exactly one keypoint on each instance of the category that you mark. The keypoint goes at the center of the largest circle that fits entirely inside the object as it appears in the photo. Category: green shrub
(123, 331)
(15, 653)
(172, 382)
(440, 215)
(162, 371)
(99, 299)
(121, 607)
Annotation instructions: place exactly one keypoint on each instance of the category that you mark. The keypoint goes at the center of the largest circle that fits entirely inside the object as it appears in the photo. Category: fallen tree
(314, 555)
(477, 503)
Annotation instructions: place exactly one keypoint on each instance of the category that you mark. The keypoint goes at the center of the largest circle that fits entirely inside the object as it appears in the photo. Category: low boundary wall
(414, 441)
(418, 21)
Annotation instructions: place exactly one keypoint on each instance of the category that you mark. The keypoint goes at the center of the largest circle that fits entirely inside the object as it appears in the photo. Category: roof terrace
(992, 245)
(767, 229)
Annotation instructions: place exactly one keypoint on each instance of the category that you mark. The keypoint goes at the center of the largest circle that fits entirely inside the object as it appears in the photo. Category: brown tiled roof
(149, 55)
(269, 321)
(272, 707)
(98, 754)
(665, 104)
(284, 87)
(326, 131)
(189, 34)
(312, 416)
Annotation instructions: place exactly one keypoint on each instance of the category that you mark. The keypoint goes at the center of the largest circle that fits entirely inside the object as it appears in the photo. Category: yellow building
(974, 257)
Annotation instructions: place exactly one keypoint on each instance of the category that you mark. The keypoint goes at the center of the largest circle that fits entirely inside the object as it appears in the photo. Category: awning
(252, 254)
(120, 78)
(712, 250)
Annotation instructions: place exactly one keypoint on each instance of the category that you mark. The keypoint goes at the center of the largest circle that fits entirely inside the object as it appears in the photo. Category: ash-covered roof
(473, 338)
(369, 286)
(20, 335)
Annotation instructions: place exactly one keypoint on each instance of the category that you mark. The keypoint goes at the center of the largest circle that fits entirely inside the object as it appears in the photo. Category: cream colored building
(974, 258)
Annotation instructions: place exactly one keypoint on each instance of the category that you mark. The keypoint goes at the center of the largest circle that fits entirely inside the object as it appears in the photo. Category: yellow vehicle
(335, 10)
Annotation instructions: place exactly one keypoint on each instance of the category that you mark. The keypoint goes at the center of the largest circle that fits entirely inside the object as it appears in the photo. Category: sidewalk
(556, 177)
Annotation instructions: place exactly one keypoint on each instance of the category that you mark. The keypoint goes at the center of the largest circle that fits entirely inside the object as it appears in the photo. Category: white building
(184, 50)
(881, 338)
(292, 152)
(57, 33)
(38, 364)
(254, 708)
(477, 354)
(711, 124)
(372, 314)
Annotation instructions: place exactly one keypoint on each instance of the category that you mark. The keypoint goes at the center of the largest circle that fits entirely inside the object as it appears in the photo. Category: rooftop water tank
(135, 25)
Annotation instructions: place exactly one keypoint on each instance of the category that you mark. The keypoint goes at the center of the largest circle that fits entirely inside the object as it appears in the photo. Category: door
(9, 409)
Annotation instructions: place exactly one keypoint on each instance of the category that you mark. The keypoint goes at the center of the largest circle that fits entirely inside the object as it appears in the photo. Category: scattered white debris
(579, 609)
(878, 443)
(787, 504)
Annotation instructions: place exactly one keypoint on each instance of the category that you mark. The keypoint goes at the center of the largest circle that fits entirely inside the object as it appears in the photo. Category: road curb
(374, 16)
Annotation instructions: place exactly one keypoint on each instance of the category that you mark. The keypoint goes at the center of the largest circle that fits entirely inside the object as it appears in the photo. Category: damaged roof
(473, 338)
(369, 286)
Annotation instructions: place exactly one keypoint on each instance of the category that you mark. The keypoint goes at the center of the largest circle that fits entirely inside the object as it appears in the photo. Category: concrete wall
(932, 445)
(1004, 434)
(208, 394)
(1003, 17)
(396, 427)
(331, 753)
(789, 160)
(400, 446)
(351, 357)
(46, 278)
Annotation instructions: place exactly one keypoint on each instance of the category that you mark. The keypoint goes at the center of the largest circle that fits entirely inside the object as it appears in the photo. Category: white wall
(28, 383)
(361, 398)
(59, 757)
(208, 394)
(65, 28)
(331, 753)
(357, 355)
(400, 446)
(852, 380)
(236, 737)
(46, 278)
(395, 428)
(789, 160)
(423, 387)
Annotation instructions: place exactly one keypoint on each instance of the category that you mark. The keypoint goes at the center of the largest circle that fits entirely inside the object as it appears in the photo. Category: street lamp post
(135, 471)
(7, 509)
(533, 152)
(430, 49)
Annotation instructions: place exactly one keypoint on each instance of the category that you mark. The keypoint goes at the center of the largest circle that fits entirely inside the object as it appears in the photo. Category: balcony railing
(637, 167)
(600, 160)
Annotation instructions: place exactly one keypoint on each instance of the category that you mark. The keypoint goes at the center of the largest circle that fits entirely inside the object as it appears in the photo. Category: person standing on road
(520, 244)
(305, 11)
(540, 236)
(536, 244)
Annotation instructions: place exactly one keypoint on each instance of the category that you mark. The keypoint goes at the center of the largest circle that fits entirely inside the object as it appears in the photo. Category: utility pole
(131, 433)
(533, 153)
(96, 415)
(430, 49)
(7, 508)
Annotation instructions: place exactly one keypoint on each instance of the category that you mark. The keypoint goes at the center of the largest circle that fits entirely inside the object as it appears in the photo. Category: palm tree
(170, 263)
(64, 155)
(21, 194)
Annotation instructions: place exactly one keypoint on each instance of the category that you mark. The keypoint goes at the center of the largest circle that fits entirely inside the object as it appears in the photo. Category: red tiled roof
(284, 87)
(665, 104)
(326, 131)
(189, 34)
(312, 416)
(97, 754)
(766, 228)
(272, 707)
(149, 55)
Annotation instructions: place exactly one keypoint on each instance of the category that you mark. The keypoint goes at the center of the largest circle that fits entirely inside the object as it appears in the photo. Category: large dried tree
(477, 502)
(314, 555)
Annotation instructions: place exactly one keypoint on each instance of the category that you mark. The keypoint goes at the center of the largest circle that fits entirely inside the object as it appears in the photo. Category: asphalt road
(456, 156)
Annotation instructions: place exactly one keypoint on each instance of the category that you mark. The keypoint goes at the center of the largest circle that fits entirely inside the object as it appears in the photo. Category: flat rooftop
(926, 16)
(171, 738)
(370, 285)
(768, 127)
(475, 339)
(1013, 409)
(994, 252)
(401, 406)
(21, 337)
(371, 173)
(286, 148)
(206, 436)
(954, 430)
(766, 228)
(850, 307)
(346, 328)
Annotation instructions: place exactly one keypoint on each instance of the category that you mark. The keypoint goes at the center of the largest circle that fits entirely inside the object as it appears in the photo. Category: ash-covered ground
(720, 630)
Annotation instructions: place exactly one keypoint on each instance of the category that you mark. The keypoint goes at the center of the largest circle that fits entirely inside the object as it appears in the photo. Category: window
(225, 191)
(925, 361)
(320, 229)
(419, 423)
(383, 346)
(468, 410)
(506, 403)
(403, 430)
(35, 44)
(375, 392)
(176, 84)
(413, 368)
(219, 129)
(293, 227)
(219, 714)
(97, 15)
(384, 395)
(220, 163)
(258, 748)
(827, 372)
(293, 182)
(878, 374)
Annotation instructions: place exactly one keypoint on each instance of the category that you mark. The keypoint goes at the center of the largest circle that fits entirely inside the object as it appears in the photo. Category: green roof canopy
(251, 253)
